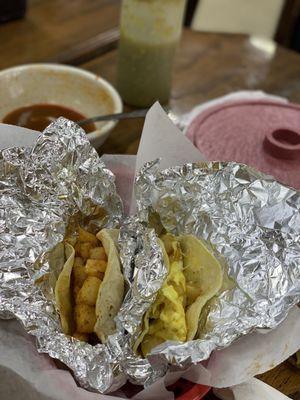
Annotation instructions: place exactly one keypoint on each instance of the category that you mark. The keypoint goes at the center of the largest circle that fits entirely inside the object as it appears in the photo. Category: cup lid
(262, 134)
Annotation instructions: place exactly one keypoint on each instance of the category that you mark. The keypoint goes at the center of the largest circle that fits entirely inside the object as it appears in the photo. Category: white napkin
(15, 136)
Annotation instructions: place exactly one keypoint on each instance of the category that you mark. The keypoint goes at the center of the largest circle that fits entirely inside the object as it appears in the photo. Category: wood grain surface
(208, 66)
(285, 377)
(59, 31)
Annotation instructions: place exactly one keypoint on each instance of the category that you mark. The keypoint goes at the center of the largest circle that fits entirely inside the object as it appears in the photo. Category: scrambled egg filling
(167, 314)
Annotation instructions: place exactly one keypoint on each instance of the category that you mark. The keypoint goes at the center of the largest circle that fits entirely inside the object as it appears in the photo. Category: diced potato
(89, 291)
(78, 261)
(71, 240)
(76, 291)
(79, 275)
(98, 253)
(83, 249)
(85, 318)
(85, 236)
(101, 276)
(95, 267)
(84, 337)
(77, 247)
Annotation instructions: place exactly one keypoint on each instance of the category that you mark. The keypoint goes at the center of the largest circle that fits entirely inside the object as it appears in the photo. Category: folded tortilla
(111, 290)
(194, 277)
(110, 293)
(63, 293)
(204, 277)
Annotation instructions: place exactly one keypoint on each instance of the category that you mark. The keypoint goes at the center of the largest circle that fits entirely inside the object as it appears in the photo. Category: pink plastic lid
(262, 134)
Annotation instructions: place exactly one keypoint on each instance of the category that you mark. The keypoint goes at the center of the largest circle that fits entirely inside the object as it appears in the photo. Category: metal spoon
(116, 117)
(127, 115)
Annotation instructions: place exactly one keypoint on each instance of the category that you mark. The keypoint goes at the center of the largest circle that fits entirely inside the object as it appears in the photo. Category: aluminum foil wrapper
(142, 262)
(42, 189)
(144, 272)
(252, 221)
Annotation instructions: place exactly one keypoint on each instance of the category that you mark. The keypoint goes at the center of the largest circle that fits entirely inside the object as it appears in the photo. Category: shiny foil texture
(251, 221)
(42, 189)
(253, 224)
(144, 272)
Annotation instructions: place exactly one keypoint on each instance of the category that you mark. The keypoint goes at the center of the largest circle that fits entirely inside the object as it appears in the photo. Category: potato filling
(87, 275)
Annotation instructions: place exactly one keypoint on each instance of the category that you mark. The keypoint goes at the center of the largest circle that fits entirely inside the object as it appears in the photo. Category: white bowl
(67, 86)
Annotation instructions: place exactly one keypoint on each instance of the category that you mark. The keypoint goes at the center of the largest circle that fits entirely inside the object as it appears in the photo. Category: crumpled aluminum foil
(144, 272)
(252, 221)
(142, 262)
(41, 188)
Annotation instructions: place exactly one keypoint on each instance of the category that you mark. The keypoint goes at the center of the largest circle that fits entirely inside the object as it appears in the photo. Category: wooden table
(84, 32)
(208, 66)
(60, 31)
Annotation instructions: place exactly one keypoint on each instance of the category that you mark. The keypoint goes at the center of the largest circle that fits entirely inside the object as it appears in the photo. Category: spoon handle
(110, 117)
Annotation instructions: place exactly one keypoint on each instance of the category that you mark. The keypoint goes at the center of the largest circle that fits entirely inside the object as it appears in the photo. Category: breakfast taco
(89, 290)
(194, 277)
